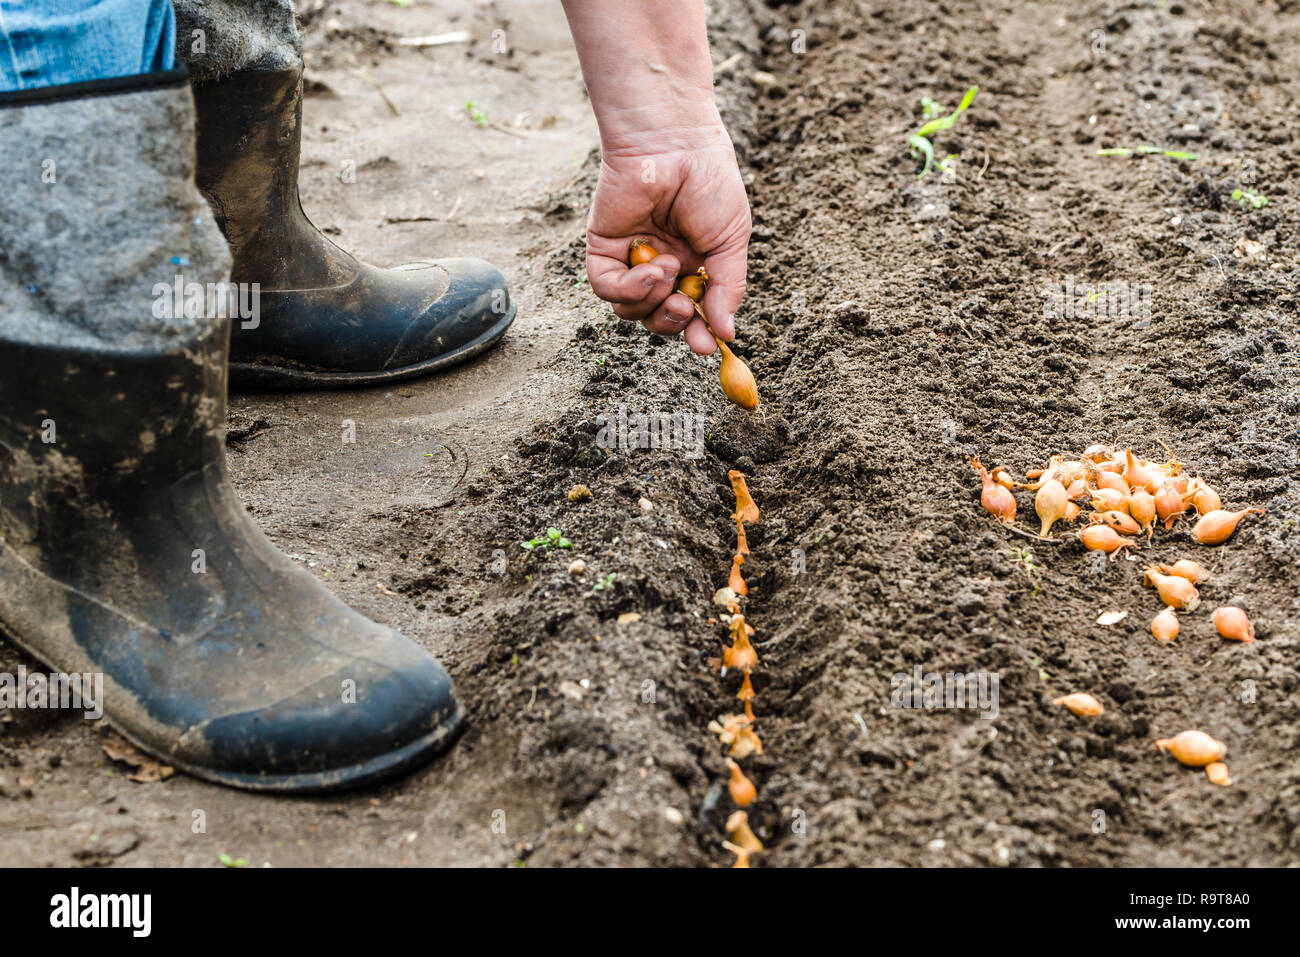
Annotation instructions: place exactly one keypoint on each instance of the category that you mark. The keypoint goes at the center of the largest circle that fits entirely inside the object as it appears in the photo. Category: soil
(897, 326)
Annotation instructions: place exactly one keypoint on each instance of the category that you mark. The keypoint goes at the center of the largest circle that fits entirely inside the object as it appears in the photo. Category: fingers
(726, 268)
(638, 292)
(699, 338)
(671, 317)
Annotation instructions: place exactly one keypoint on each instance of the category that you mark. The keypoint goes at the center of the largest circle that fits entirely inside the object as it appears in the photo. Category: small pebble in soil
(645, 504)
(577, 566)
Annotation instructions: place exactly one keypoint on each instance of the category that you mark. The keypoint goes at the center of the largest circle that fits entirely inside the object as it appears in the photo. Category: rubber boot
(123, 549)
(326, 320)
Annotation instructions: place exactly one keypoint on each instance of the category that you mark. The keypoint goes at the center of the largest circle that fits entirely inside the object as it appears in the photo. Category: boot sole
(254, 377)
(380, 768)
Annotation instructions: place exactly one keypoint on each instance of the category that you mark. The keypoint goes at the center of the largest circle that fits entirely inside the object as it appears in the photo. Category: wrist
(680, 122)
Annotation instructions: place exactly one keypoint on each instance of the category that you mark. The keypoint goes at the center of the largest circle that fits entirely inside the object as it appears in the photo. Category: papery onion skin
(641, 252)
(1234, 624)
(1203, 498)
(746, 510)
(1215, 528)
(693, 285)
(1217, 772)
(1103, 538)
(1165, 626)
(1136, 474)
(1194, 572)
(741, 788)
(1121, 522)
(1193, 748)
(1173, 591)
(1169, 504)
(1084, 705)
(995, 499)
(1108, 498)
(738, 829)
(1112, 480)
(737, 381)
(1050, 504)
(1142, 506)
(735, 581)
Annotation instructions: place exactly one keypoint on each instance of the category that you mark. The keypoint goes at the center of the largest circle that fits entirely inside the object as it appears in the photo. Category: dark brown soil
(896, 327)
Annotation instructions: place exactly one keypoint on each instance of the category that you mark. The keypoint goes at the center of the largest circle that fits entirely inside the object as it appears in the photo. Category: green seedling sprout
(552, 539)
(920, 140)
(1146, 151)
(477, 115)
(1025, 559)
(606, 583)
(1249, 199)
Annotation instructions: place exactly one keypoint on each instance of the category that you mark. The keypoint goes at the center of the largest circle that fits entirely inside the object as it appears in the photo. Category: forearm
(648, 72)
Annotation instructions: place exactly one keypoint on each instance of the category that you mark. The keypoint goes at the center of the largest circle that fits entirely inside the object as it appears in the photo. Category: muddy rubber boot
(326, 320)
(123, 549)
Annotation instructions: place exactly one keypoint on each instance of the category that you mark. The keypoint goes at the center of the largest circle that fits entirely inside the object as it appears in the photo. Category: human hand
(690, 204)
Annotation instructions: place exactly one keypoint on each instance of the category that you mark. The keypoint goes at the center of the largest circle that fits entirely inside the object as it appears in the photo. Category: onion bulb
(1136, 473)
(1174, 591)
(741, 788)
(1194, 572)
(1077, 489)
(738, 383)
(1103, 538)
(1193, 748)
(1217, 772)
(746, 694)
(641, 252)
(997, 501)
(1169, 504)
(1070, 472)
(742, 855)
(1165, 625)
(746, 743)
(1216, 527)
(1111, 480)
(1233, 623)
(1096, 453)
(741, 654)
(746, 510)
(1084, 705)
(1072, 511)
(692, 286)
(1039, 476)
(1002, 476)
(1050, 504)
(740, 834)
(1172, 466)
(1107, 499)
(1203, 498)
(1122, 523)
(1142, 506)
(735, 581)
